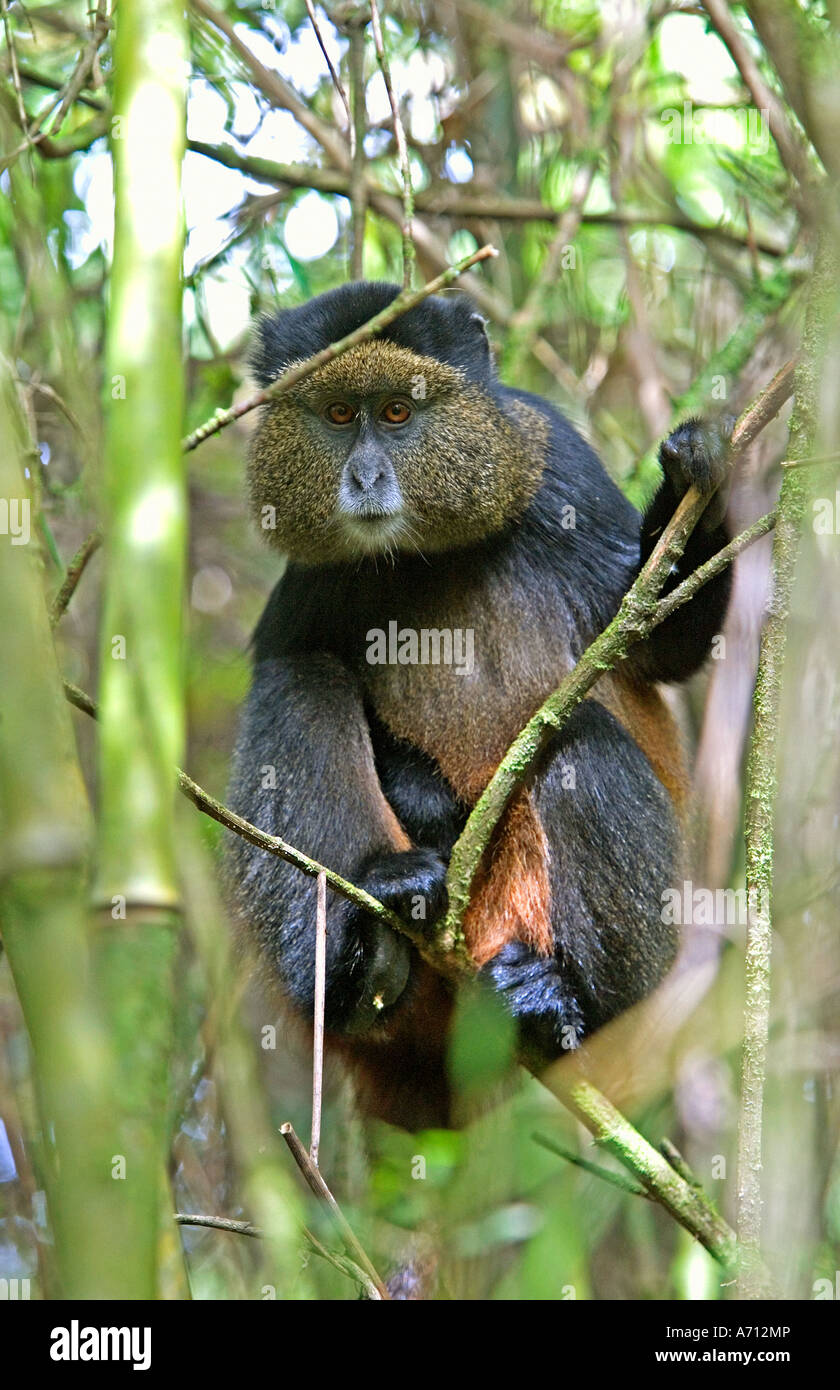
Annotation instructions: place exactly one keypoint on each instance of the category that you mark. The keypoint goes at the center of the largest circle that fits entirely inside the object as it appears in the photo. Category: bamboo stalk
(45, 834)
(141, 715)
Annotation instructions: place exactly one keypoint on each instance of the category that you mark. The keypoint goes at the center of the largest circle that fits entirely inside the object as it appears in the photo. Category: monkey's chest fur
(468, 674)
(509, 646)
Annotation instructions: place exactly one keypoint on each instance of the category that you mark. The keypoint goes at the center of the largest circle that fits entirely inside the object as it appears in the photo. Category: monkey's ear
(474, 351)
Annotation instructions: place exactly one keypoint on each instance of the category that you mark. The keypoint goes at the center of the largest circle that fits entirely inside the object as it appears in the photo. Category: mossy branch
(761, 783)
(612, 1131)
(636, 618)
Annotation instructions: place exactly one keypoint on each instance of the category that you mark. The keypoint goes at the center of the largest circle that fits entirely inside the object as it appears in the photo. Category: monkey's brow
(372, 389)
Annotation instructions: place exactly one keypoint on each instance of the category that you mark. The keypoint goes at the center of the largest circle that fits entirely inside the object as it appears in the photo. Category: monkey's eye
(396, 413)
(340, 413)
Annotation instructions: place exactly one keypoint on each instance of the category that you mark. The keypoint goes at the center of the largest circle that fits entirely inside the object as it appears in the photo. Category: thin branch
(606, 1174)
(78, 79)
(409, 253)
(245, 1228)
(52, 84)
(318, 1023)
(319, 1187)
(275, 88)
(358, 178)
(273, 844)
(447, 200)
(691, 1208)
(677, 1162)
(804, 53)
(344, 1265)
(336, 80)
(13, 63)
(404, 301)
(815, 461)
(219, 1223)
(75, 570)
(695, 581)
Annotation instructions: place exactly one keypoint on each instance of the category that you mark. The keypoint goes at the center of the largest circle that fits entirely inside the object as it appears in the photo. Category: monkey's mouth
(372, 532)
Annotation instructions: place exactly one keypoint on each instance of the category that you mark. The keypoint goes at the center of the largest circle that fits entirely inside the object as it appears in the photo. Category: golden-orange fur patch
(512, 901)
(646, 717)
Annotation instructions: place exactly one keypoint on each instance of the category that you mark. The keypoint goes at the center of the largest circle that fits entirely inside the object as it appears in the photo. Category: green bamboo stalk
(141, 658)
(45, 834)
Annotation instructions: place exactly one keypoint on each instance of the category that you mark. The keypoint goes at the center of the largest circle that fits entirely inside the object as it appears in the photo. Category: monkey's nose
(366, 475)
(369, 487)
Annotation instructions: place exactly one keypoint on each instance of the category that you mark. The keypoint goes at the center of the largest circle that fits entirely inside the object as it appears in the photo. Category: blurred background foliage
(643, 216)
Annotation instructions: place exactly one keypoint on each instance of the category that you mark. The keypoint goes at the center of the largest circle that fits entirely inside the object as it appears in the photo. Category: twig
(319, 1187)
(84, 66)
(695, 581)
(75, 570)
(52, 84)
(345, 1266)
(358, 182)
(275, 88)
(405, 300)
(245, 1228)
(678, 1163)
(690, 1207)
(219, 1223)
(318, 1031)
(444, 199)
(409, 253)
(616, 1179)
(13, 63)
(814, 461)
(336, 80)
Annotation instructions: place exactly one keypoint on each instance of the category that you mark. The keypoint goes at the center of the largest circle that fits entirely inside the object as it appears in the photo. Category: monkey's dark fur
(483, 511)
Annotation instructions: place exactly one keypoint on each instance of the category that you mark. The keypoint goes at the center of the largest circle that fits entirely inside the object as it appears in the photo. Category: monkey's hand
(696, 454)
(413, 884)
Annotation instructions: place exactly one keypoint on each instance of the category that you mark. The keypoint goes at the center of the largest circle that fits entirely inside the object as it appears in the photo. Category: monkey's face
(385, 450)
